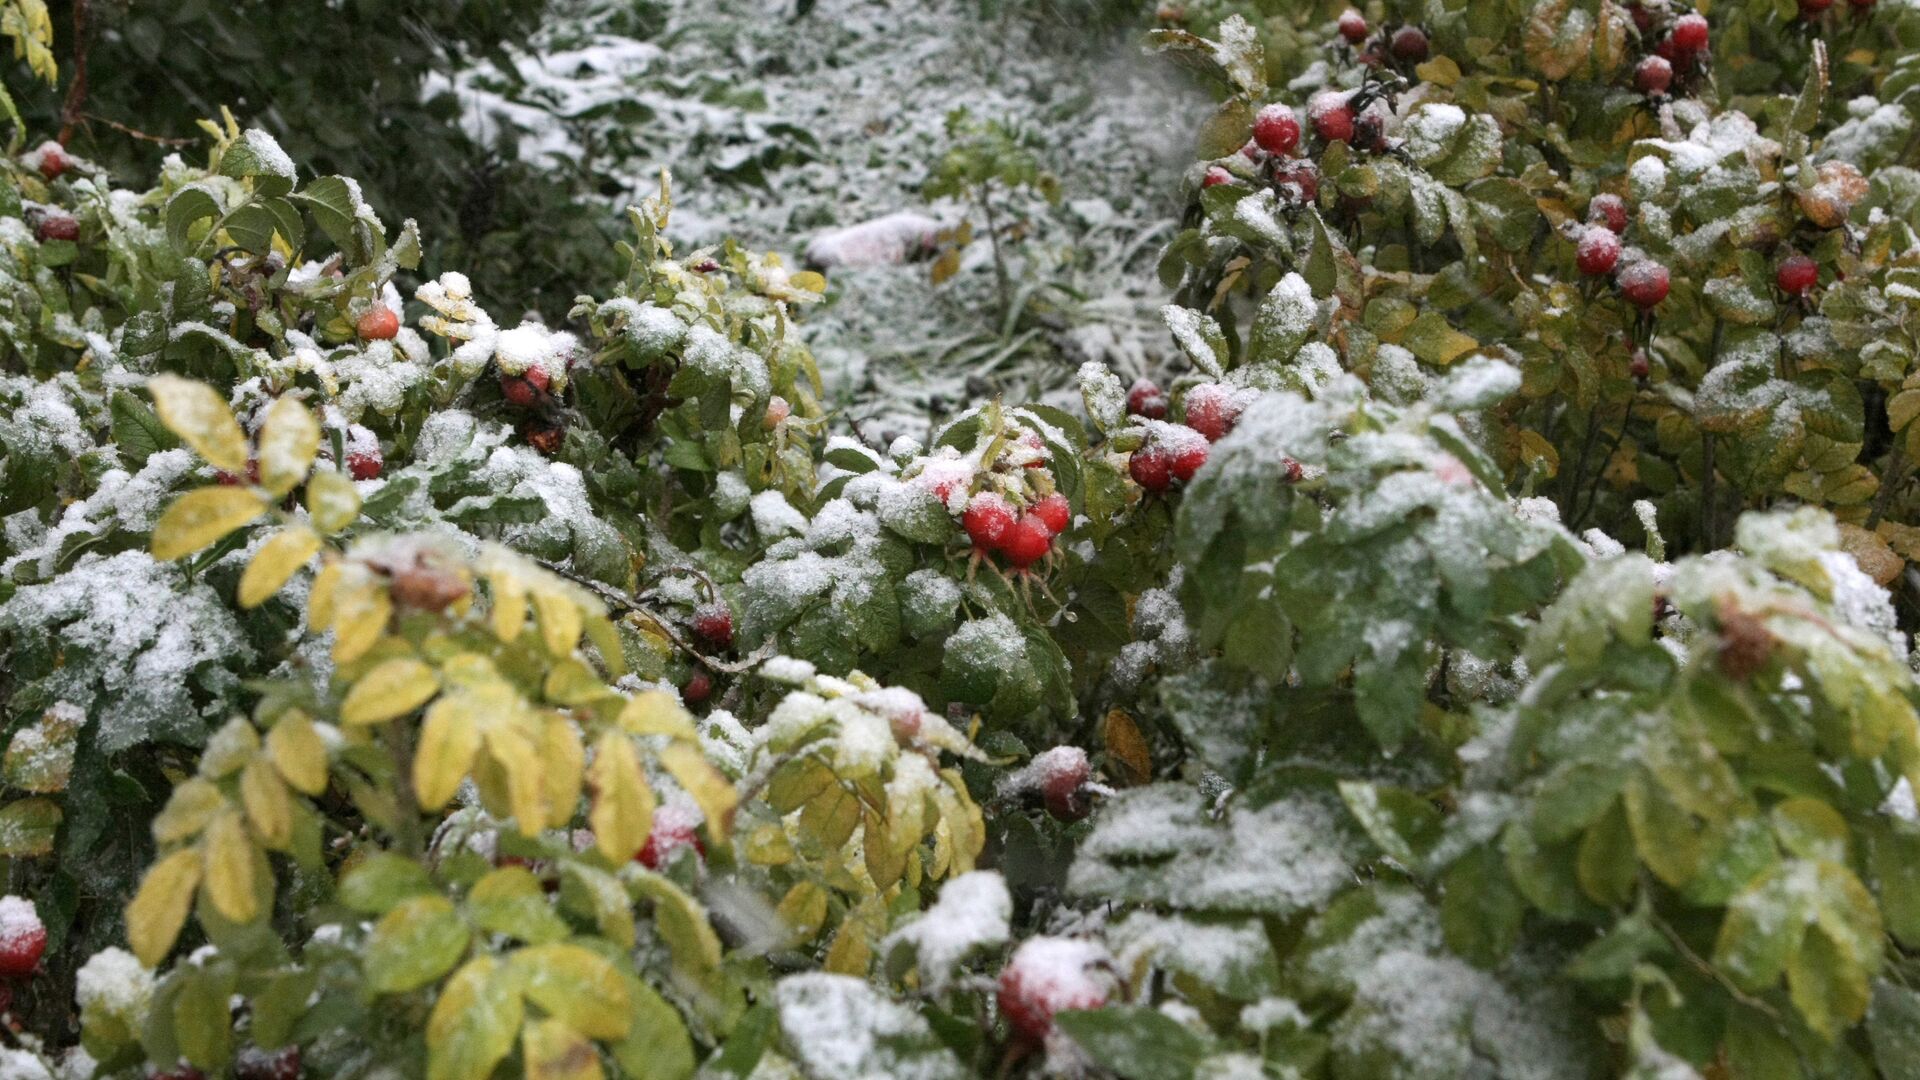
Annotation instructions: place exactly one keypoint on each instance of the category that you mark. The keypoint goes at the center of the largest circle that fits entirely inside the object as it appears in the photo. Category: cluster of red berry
(1597, 252)
(1023, 538)
(1678, 53)
(1177, 451)
(1404, 45)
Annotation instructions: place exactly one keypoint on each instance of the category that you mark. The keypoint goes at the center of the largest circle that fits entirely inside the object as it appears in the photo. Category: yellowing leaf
(519, 759)
(332, 501)
(228, 855)
(289, 439)
(623, 804)
(298, 753)
(414, 944)
(809, 280)
(509, 604)
(448, 740)
(575, 983)
(159, 909)
(360, 613)
(284, 553)
(560, 623)
(394, 688)
(656, 712)
(562, 761)
(320, 595)
(804, 911)
(195, 412)
(268, 805)
(188, 810)
(554, 1051)
(201, 517)
(709, 788)
(473, 1025)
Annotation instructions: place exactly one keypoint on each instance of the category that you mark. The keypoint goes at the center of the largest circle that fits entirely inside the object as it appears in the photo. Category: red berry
(1044, 977)
(1813, 9)
(1409, 44)
(1212, 410)
(1353, 26)
(1151, 467)
(1642, 18)
(1597, 251)
(713, 624)
(1055, 512)
(1215, 177)
(182, 1071)
(1608, 210)
(778, 409)
(58, 226)
(1146, 399)
(519, 391)
(1643, 283)
(1251, 151)
(254, 1063)
(365, 464)
(1690, 33)
(1298, 179)
(1332, 115)
(1639, 365)
(544, 437)
(705, 266)
(1187, 461)
(1026, 541)
(1653, 76)
(23, 938)
(673, 828)
(1276, 129)
(987, 519)
(1060, 773)
(538, 377)
(1666, 50)
(1796, 275)
(379, 324)
(1291, 470)
(53, 161)
(698, 689)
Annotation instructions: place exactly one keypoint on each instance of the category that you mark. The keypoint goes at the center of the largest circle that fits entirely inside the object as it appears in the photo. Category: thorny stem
(73, 109)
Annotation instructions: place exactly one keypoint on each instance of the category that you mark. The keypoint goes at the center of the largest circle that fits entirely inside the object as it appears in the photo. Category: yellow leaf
(578, 984)
(332, 501)
(562, 761)
(709, 788)
(269, 807)
(809, 280)
(188, 810)
(473, 1023)
(448, 740)
(804, 911)
(201, 517)
(850, 954)
(560, 623)
(554, 1051)
(622, 812)
(277, 560)
(360, 613)
(519, 759)
(229, 867)
(159, 909)
(320, 594)
(195, 412)
(289, 439)
(298, 753)
(656, 712)
(394, 688)
(509, 604)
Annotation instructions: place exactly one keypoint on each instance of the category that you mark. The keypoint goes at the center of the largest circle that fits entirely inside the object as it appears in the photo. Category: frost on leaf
(971, 914)
(839, 1028)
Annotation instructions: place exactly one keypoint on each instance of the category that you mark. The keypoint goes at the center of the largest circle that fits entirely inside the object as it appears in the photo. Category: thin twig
(626, 603)
(134, 132)
(76, 102)
(1593, 489)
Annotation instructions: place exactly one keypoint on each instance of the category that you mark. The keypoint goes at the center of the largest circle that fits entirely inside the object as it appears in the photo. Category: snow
(971, 913)
(22, 1065)
(883, 241)
(114, 982)
(839, 1028)
(1431, 128)
(18, 922)
(1048, 769)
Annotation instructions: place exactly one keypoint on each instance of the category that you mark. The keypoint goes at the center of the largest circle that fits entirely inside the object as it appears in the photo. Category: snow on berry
(1146, 399)
(1597, 250)
(1353, 26)
(987, 518)
(57, 225)
(1298, 180)
(1796, 274)
(1048, 975)
(713, 624)
(23, 938)
(1212, 408)
(1653, 75)
(1055, 512)
(949, 476)
(49, 159)
(1643, 282)
(1609, 210)
(1056, 775)
(1409, 44)
(1331, 112)
(1151, 467)
(675, 826)
(1215, 176)
(1689, 34)
(541, 355)
(1276, 128)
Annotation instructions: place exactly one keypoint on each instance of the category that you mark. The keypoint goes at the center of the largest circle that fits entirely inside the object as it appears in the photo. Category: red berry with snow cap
(987, 519)
(1332, 114)
(378, 324)
(23, 937)
(1597, 250)
(1186, 460)
(1151, 467)
(1059, 774)
(1276, 128)
(1212, 410)
(1353, 26)
(1689, 34)
(53, 161)
(1298, 179)
(1046, 976)
(713, 624)
(1026, 541)
(1215, 176)
(1055, 511)
(674, 827)
(519, 391)
(1146, 399)
(1796, 274)
(1653, 75)
(58, 226)
(778, 409)
(1643, 283)
(1409, 44)
(1609, 210)
(365, 464)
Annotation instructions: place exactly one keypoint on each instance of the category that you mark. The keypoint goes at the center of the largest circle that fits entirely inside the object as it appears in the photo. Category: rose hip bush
(1473, 658)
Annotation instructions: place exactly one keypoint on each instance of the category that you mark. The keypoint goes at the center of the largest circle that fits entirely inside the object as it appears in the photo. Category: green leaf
(28, 827)
(1893, 1026)
(416, 942)
(1480, 910)
(203, 1016)
(137, 429)
(1405, 825)
(1135, 1042)
(375, 885)
(187, 206)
